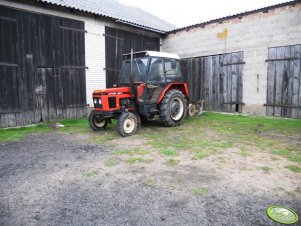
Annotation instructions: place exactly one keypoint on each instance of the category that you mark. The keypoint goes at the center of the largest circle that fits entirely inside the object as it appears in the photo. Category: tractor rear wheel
(97, 123)
(173, 108)
(127, 124)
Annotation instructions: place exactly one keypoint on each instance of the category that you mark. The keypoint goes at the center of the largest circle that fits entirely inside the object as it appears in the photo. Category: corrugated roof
(239, 15)
(119, 12)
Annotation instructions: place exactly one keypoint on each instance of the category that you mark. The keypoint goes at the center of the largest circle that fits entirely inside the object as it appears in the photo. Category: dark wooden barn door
(42, 68)
(217, 80)
(284, 82)
(223, 80)
(119, 42)
(10, 99)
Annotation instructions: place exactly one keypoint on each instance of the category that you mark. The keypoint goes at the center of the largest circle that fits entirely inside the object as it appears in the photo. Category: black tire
(97, 123)
(173, 108)
(127, 124)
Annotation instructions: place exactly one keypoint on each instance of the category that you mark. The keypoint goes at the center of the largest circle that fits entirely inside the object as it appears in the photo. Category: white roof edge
(163, 54)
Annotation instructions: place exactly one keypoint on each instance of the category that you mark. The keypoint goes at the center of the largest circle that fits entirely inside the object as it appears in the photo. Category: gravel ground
(58, 179)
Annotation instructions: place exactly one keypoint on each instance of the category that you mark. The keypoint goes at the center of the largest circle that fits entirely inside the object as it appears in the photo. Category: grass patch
(134, 151)
(199, 191)
(111, 162)
(172, 162)
(91, 173)
(291, 153)
(274, 158)
(15, 134)
(169, 152)
(134, 160)
(200, 155)
(227, 144)
(222, 159)
(150, 182)
(102, 136)
(75, 125)
(293, 168)
(244, 152)
(266, 169)
(70, 126)
(121, 152)
(214, 133)
(243, 168)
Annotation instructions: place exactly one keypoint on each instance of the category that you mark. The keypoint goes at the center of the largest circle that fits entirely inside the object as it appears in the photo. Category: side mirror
(173, 64)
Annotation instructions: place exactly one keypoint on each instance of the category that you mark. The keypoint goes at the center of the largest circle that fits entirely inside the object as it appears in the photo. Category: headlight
(95, 101)
(99, 101)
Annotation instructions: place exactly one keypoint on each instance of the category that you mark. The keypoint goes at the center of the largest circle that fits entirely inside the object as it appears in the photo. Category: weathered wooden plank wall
(284, 82)
(42, 68)
(215, 79)
(119, 42)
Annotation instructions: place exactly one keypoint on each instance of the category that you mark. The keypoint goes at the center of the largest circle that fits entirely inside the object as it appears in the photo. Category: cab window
(156, 71)
(172, 70)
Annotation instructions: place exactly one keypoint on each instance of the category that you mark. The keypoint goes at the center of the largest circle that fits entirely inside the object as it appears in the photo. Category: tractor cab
(150, 83)
(152, 73)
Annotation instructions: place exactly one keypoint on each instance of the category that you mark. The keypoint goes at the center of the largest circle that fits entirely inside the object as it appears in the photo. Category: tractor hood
(112, 91)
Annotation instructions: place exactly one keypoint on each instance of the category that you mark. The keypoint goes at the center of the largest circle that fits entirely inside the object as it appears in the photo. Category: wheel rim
(99, 122)
(129, 125)
(177, 108)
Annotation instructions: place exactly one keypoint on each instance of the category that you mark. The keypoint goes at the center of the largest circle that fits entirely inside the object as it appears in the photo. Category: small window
(156, 72)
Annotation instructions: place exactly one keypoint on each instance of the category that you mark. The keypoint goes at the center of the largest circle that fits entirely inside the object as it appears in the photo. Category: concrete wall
(253, 34)
(94, 43)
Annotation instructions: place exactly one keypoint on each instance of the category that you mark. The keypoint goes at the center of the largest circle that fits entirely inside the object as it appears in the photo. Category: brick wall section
(253, 34)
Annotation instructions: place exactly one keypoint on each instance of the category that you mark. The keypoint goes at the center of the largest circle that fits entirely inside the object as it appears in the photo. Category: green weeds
(293, 168)
(199, 191)
(90, 173)
(133, 160)
(172, 162)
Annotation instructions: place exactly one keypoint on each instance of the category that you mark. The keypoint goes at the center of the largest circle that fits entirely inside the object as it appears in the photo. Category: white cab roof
(162, 54)
(157, 54)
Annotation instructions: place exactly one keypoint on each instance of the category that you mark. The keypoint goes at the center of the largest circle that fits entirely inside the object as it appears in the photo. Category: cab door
(155, 80)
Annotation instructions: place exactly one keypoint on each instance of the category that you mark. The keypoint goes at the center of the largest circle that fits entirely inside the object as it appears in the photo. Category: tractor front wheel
(127, 124)
(173, 108)
(96, 122)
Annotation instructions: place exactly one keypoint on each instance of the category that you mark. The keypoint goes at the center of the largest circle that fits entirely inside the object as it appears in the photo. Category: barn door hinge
(283, 105)
(233, 63)
(8, 65)
(110, 36)
(9, 19)
(282, 59)
(240, 103)
(74, 67)
(72, 29)
(110, 69)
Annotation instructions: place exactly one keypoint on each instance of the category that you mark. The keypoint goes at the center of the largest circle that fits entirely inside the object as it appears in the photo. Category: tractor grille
(112, 102)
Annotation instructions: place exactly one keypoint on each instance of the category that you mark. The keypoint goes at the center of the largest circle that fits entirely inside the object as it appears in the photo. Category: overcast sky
(187, 12)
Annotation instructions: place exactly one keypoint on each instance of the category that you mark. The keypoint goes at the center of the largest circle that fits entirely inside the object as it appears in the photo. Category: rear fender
(181, 86)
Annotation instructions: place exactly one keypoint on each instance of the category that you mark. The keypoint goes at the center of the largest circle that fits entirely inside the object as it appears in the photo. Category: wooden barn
(55, 53)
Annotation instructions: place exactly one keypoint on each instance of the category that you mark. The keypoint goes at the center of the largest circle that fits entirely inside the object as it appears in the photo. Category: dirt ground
(64, 179)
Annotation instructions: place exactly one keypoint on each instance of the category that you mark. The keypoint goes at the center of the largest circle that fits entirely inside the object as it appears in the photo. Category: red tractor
(150, 84)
